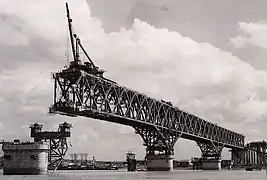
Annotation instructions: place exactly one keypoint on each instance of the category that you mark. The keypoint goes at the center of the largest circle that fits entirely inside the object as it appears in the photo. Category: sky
(207, 57)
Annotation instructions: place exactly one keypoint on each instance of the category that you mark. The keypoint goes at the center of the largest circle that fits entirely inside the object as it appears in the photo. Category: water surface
(123, 175)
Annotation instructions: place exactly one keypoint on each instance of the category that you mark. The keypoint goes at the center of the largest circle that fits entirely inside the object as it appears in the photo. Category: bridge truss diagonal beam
(210, 149)
(78, 93)
(158, 141)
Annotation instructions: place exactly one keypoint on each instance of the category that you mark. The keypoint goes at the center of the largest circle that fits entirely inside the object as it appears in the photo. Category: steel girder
(158, 141)
(57, 152)
(77, 93)
(210, 149)
(258, 147)
(57, 140)
(238, 156)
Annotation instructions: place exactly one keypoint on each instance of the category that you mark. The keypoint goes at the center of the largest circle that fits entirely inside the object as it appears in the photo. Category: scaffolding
(57, 141)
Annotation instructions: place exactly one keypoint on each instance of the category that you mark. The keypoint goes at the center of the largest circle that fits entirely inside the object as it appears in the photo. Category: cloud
(197, 77)
(12, 33)
(251, 33)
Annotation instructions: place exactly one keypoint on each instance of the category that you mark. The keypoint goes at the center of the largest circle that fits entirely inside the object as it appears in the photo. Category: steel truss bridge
(254, 153)
(81, 90)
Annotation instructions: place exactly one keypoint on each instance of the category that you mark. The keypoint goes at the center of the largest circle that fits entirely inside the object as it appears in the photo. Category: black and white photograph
(133, 89)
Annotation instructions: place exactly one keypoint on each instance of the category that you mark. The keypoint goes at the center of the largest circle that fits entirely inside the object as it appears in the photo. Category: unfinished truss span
(81, 90)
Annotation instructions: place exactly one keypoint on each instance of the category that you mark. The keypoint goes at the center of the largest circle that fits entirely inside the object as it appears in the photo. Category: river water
(122, 175)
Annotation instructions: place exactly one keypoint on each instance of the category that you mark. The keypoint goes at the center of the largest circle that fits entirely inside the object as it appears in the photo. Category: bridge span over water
(82, 90)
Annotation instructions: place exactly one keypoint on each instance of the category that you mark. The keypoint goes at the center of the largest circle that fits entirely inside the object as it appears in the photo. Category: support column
(249, 157)
(259, 157)
(234, 157)
(242, 157)
(238, 157)
(211, 155)
(253, 156)
(159, 151)
(264, 156)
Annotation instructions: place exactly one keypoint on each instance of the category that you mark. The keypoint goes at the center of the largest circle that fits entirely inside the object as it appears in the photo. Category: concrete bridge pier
(211, 155)
(160, 162)
(211, 164)
(159, 148)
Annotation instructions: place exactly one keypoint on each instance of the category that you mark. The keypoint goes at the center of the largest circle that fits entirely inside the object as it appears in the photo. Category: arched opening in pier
(105, 140)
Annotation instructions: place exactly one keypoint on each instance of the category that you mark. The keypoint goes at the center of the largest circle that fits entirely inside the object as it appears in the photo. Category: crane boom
(88, 67)
(70, 31)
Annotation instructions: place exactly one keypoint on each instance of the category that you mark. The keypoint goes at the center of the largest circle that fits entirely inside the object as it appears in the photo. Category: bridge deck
(78, 93)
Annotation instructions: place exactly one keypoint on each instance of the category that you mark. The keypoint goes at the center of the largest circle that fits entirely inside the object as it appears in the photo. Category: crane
(76, 45)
